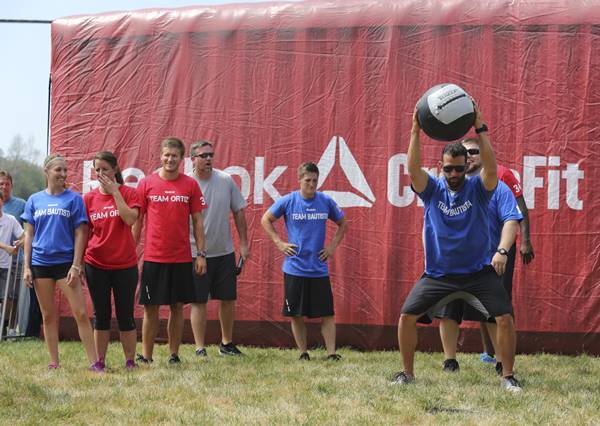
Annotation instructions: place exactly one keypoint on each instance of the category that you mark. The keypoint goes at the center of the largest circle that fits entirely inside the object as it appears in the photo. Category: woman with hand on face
(110, 257)
(55, 236)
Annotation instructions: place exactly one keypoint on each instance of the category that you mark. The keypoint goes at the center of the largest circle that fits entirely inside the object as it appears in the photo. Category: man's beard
(455, 182)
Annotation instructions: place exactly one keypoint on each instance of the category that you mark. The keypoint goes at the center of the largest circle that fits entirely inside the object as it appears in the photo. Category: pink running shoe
(53, 366)
(97, 367)
(130, 364)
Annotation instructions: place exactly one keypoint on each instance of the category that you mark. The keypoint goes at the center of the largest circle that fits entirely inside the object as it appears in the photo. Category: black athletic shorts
(460, 311)
(55, 272)
(166, 283)
(219, 282)
(308, 297)
(483, 290)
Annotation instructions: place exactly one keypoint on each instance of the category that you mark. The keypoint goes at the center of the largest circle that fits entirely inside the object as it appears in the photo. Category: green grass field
(270, 386)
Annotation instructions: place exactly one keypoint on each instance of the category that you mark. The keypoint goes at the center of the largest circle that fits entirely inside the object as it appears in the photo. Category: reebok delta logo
(352, 172)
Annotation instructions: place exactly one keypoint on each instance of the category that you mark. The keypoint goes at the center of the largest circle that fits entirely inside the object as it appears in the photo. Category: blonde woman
(55, 237)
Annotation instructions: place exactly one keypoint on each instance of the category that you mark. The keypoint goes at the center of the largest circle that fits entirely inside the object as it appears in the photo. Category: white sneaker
(511, 384)
(402, 378)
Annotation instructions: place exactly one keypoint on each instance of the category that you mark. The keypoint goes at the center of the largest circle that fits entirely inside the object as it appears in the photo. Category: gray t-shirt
(221, 195)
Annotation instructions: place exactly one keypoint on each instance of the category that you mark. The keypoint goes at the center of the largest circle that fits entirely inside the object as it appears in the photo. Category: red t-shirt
(506, 176)
(111, 245)
(168, 205)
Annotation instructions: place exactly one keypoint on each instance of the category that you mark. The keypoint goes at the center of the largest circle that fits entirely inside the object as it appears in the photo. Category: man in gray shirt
(221, 195)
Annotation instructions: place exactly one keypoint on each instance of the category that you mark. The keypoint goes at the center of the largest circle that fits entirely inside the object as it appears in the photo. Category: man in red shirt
(168, 199)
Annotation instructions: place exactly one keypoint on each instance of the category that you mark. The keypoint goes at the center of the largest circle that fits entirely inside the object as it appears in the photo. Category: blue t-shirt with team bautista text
(305, 221)
(54, 219)
(456, 227)
(503, 207)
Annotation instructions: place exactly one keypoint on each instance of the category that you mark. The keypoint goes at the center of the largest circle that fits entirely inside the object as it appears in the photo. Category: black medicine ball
(445, 112)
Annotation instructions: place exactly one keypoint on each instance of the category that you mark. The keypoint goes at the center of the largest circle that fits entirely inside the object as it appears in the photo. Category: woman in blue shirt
(55, 237)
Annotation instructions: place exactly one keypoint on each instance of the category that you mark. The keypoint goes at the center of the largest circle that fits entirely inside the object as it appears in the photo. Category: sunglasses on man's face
(458, 169)
(205, 155)
(473, 151)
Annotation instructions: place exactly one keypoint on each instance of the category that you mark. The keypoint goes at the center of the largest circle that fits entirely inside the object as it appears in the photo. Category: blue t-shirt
(54, 218)
(15, 206)
(456, 227)
(305, 220)
(503, 207)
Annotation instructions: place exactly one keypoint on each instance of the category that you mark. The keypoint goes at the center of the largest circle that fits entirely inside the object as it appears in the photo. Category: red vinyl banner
(274, 85)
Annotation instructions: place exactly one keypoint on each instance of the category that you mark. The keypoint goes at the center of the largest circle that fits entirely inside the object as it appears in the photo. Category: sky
(25, 53)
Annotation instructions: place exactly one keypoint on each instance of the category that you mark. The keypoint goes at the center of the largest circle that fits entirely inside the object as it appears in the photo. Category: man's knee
(505, 322)
(198, 311)
(408, 319)
(177, 308)
(297, 320)
(151, 312)
(227, 306)
(448, 322)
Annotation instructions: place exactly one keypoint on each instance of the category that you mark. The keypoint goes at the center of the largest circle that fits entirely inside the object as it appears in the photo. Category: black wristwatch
(201, 253)
(502, 251)
(481, 129)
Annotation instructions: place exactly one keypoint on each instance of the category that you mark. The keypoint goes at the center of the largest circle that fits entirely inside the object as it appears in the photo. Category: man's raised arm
(418, 176)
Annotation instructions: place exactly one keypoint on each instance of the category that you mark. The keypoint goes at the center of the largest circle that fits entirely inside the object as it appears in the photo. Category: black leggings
(123, 283)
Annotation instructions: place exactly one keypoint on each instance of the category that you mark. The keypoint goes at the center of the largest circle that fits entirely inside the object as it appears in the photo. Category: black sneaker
(402, 378)
(304, 356)
(451, 366)
(140, 358)
(229, 349)
(201, 352)
(174, 359)
(333, 357)
(499, 369)
(511, 384)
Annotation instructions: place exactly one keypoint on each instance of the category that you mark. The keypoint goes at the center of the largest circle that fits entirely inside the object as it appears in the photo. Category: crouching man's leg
(506, 338)
(407, 340)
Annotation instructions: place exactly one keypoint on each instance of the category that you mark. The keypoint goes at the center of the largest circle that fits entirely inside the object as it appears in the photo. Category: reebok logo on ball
(445, 112)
